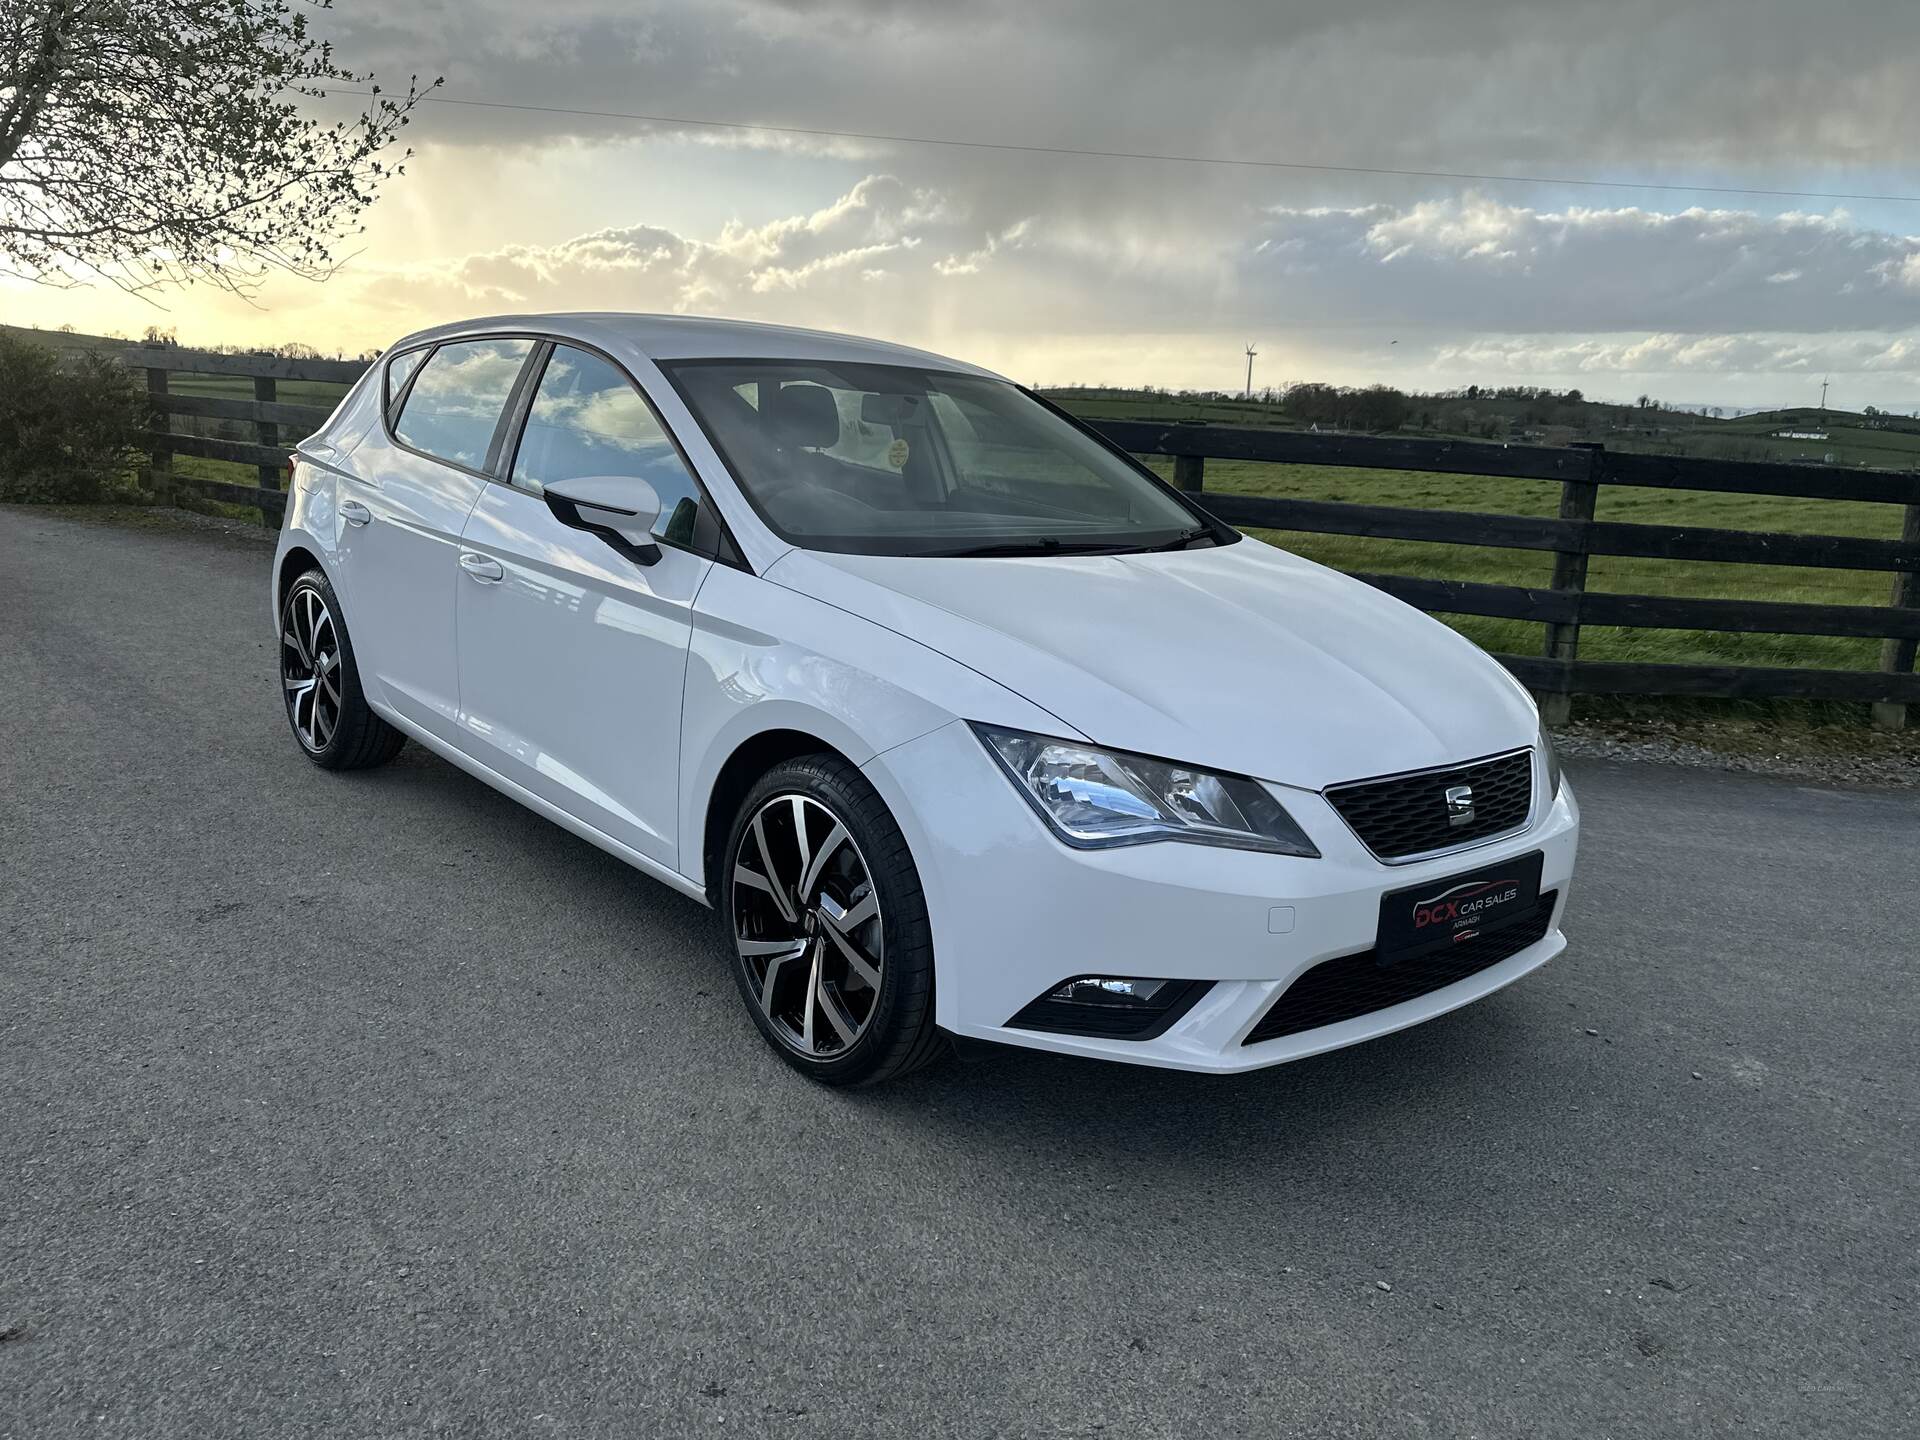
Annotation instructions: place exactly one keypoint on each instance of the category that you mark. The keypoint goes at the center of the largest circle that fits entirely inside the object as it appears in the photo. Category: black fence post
(1897, 656)
(1189, 473)
(160, 471)
(1577, 497)
(266, 390)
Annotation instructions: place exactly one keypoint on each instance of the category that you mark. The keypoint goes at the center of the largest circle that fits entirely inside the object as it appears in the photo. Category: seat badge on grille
(1459, 805)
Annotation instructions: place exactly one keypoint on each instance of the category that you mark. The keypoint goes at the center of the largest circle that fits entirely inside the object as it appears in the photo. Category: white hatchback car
(963, 721)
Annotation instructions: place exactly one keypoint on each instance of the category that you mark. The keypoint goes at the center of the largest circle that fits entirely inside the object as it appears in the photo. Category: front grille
(1337, 990)
(1407, 814)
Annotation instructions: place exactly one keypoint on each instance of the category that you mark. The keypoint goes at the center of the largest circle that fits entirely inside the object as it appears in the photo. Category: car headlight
(1551, 759)
(1093, 798)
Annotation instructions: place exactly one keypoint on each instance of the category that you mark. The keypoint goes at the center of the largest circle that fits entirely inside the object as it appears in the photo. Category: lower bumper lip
(1212, 1039)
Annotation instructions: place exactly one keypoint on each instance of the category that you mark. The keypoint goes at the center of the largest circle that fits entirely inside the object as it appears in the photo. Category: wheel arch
(773, 672)
(751, 758)
(298, 553)
(298, 559)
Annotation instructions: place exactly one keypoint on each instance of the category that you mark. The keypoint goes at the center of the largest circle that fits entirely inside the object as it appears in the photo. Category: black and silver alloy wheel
(310, 667)
(807, 925)
(321, 683)
(833, 950)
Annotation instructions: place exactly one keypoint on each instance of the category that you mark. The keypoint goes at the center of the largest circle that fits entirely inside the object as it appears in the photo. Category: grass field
(1886, 446)
(1620, 575)
(1886, 442)
(317, 393)
(1617, 574)
(1252, 414)
(1850, 441)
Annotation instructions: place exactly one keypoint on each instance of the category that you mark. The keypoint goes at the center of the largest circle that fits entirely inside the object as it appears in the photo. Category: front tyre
(321, 684)
(833, 950)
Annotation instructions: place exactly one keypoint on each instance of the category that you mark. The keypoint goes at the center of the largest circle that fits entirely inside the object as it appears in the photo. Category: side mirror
(617, 506)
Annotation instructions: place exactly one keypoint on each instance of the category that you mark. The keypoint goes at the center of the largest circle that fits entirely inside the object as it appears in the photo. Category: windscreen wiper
(1184, 539)
(1043, 545)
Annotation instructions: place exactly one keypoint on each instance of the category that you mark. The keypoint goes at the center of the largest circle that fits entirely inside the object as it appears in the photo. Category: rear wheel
(321, 685)
(833, 950)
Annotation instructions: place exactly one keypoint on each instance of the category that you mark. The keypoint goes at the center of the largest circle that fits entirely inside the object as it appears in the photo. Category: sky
(1058, 269)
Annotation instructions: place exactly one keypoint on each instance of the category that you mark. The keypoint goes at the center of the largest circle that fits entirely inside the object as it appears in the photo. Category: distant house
(1560, 435)
(1799, 434)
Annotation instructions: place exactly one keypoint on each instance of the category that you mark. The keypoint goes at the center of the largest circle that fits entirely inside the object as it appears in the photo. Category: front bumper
(1014, 912)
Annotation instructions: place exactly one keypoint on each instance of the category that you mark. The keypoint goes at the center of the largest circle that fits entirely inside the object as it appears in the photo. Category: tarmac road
(374, 1104)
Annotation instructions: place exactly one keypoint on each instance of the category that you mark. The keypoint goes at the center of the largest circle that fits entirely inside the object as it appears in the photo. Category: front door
(573, 657)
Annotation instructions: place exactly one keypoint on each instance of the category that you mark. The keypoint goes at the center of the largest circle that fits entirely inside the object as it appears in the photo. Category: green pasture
(1485, 564)
(1620, 575)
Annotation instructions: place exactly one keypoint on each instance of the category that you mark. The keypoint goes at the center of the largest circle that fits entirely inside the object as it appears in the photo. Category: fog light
(1115, 1007)
(1108, 990)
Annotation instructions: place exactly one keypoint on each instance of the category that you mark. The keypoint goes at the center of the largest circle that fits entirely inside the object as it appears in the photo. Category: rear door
(573, 657)
(404, 505)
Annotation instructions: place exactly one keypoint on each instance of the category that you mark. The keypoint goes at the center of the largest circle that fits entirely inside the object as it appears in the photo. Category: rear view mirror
(891, 410)
(623, 506)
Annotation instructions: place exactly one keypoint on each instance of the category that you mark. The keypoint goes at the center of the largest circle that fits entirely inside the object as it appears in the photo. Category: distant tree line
(287, 350)
(1483, 411)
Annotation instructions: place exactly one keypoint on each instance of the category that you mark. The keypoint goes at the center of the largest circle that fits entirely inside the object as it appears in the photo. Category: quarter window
(398, 369)
(456, 401)
(587, 419)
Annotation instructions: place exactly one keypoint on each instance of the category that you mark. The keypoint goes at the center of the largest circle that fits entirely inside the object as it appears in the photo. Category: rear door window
(455, 404)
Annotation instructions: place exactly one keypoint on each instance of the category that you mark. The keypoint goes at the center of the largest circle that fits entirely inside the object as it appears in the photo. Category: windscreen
(892, 460)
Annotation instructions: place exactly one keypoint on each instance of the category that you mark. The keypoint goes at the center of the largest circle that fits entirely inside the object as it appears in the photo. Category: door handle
(481, 567)
(354, 513)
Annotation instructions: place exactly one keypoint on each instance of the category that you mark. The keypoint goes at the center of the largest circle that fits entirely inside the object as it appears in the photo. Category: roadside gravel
(1835, 755)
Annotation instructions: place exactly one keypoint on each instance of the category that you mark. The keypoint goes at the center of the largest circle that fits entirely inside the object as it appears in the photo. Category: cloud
(1478, 264)
(801, 265)
(1448, 84)
(1063, 267)
(1464, 288)
(1436, 269)
(1688, 355)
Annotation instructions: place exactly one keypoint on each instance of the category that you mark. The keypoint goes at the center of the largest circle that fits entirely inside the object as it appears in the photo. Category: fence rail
(274, 421)
(1572, 536)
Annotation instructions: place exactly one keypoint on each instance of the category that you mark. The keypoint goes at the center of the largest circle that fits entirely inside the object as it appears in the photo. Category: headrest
(802, 415)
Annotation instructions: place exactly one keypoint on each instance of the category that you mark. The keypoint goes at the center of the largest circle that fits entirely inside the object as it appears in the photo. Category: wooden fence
(1566, 604)
(1563, 606)
(276, 426)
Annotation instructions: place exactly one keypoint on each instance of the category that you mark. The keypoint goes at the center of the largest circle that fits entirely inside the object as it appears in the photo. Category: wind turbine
(1251, 352)
(1823, 395)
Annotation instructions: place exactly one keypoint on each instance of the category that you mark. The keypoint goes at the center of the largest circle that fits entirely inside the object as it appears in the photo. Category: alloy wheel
(310, 667)
(807, 925)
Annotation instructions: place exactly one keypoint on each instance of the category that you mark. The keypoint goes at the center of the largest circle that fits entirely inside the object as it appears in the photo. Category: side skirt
(544, 808)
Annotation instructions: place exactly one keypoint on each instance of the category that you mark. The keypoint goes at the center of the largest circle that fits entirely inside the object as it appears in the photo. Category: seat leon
(962, 721)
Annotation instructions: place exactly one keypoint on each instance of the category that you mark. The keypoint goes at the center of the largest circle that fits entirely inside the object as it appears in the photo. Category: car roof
(695, 337)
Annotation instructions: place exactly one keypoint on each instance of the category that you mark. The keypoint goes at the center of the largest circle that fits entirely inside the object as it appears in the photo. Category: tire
(806, 953)
(320, 683)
